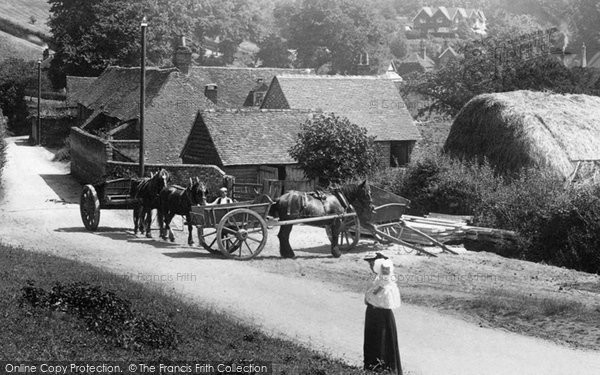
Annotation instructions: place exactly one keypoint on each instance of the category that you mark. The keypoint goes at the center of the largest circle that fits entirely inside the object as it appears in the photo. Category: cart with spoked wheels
(107, 195)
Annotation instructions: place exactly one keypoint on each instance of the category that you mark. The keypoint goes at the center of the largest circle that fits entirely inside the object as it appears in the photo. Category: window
(258, 98)
(400, 153)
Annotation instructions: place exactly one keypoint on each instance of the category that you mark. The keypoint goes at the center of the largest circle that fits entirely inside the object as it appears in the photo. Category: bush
(332, 149)
(103, 312)
(554, 224)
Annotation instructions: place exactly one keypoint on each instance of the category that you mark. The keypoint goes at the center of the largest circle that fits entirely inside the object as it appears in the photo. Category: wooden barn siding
(243, 173)
(89, 155)
(178, 104)
(213, 176)
(383, 152)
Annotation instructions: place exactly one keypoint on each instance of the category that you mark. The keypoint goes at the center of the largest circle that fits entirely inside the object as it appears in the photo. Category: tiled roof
(117, 91)
(450, 51)
(371, 102)
(77, 87)
(233, 83)
(246, 136)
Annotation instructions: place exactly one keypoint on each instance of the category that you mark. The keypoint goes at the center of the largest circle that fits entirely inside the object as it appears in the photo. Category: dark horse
(336, 201)
(176, 200)
(146, 191)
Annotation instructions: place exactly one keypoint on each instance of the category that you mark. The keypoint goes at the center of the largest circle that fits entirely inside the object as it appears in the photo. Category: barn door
(267, 173)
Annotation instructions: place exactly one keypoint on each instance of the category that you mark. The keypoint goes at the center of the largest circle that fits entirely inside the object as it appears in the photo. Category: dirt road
(40, 211)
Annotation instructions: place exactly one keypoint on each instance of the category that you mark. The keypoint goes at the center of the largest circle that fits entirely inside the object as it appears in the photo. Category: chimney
(583, 56)
(210, 91)
(182, 59)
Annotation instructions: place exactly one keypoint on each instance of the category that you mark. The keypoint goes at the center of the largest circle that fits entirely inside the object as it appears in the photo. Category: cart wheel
(393, 230)
(89, 206)
(349, 233)
(241, 234)
(210, 242)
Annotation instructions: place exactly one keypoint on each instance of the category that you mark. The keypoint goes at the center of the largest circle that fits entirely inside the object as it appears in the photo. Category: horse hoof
(172, 239)
(148, 235)
(191, 243)
(335, 251)
(288, 256)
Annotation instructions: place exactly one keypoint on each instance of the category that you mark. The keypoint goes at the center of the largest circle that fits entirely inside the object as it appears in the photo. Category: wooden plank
(403, 243)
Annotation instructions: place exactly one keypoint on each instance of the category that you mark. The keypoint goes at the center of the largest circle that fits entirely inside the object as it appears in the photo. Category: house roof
(77, 87)
(247, 136)
(116, 92)
(594, 62)
(427, 10)
(371, 102)
(414, 62)
(449, 51)
(233, 83)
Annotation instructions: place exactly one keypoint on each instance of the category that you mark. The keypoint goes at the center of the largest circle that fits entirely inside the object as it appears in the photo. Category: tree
(331, 149)
(274, 52)
(89, 35)
(16, 75)
(482, 71)
(398, 46)
(334, 32)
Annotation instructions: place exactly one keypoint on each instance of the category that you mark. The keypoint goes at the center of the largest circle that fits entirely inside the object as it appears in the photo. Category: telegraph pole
(38, 132)
(144, 25)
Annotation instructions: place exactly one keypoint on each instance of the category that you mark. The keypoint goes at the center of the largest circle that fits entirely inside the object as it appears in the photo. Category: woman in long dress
(381, 339)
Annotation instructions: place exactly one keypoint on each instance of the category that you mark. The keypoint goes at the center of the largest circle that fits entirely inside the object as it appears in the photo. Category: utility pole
(144, 25)
(38, 132)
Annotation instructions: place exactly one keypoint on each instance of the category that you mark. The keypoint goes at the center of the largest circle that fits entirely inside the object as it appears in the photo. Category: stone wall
(89, 155)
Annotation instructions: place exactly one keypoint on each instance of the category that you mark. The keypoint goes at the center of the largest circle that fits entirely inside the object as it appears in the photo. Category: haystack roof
(244, 136)
(370, 102)
(234, 83)
(528, 129)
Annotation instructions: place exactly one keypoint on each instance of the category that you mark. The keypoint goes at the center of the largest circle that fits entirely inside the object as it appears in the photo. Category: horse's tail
(274, 209)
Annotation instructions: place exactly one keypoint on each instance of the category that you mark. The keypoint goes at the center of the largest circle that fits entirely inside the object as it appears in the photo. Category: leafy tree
(331, 149)
(334, 32)
(274, 52)
(398, 46)
(89, 35)
(16, 75)
(482, 71)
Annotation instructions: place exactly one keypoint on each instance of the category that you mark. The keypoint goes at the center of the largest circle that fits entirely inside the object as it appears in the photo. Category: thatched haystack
(521, 129)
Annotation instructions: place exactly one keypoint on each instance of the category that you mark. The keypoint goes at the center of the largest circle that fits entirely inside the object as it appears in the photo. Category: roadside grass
(36, 333)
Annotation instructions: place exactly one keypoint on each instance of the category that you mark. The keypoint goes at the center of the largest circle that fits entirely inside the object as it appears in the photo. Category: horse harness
(321, 196)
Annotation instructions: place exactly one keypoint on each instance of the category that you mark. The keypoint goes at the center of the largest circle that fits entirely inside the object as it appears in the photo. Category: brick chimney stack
(583, 56)
(182, 59)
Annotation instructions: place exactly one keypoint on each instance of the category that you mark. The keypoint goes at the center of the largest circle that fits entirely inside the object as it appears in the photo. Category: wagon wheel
(210, 242)
(241, 234)
(89, 207)
(349, 233)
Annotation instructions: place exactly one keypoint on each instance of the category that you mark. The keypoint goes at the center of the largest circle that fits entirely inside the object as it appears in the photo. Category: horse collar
(341, 198)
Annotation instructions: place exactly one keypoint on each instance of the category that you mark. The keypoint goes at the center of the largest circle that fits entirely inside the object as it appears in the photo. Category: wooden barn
(250, 144)
(525, 129)
(370, 102)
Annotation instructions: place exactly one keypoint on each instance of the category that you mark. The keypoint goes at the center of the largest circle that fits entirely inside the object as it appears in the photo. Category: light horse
(336, 201)
(146, 191)
(176, 200)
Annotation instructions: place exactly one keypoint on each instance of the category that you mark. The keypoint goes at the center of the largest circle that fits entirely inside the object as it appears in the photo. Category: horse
(335, 201)
(146, 190)
(175, 200)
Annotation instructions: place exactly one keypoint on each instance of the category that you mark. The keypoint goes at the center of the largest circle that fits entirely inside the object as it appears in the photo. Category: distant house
(173, 98)
(249, 144)
(445, 21)
(371, 102)
(448, 55)
(415, 62)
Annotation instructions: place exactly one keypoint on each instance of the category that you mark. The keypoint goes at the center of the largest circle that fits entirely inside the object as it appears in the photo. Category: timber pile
(449, 228)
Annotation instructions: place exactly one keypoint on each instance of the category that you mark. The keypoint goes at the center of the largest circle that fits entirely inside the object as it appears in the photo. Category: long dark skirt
(381, 341)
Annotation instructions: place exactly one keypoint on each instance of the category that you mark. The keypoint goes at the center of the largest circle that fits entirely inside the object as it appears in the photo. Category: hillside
(11, 46)
(20, 13)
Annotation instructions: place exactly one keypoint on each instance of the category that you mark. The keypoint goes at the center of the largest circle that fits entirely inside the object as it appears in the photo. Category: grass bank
(42, 333)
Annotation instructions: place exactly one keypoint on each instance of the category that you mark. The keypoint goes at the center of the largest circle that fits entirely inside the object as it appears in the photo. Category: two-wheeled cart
(107, 195)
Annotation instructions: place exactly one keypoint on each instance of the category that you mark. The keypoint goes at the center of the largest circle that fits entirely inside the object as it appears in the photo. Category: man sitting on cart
(223, 198)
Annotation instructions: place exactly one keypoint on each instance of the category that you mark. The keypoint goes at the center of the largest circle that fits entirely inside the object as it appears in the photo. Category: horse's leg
(168, 226)
(335, 232)
(147, 216)
(161, 224)
(284, 242)
(188, 220)
(136, 216)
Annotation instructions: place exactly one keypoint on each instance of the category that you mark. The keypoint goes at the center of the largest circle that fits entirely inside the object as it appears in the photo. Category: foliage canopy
(331, 149)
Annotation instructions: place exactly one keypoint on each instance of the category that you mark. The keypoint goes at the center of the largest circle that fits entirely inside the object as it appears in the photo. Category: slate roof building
(370, 102)
(77, 87)
(250, 144)
(111, 104)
